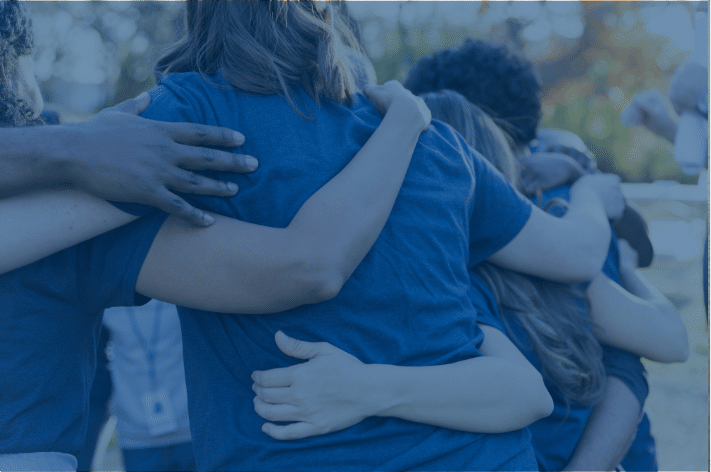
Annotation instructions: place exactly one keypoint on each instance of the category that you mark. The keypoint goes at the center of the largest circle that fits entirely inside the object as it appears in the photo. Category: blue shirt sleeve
(110, 263)
(499, 211)
(628, 368)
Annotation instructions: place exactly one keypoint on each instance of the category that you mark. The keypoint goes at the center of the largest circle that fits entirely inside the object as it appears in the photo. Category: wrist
(405, 110)
(65, 152)
(49, 154)
(382, 388)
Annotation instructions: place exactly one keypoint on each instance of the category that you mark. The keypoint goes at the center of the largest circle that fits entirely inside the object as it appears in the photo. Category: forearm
(40, 223)
(484, 394)
(31, 159)
(587, 220)
(640, 320)
(339, 224)
(569, 249)
(609, 431)
(236, 267)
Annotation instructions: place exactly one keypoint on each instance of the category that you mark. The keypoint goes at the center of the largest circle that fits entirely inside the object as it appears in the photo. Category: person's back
(406, 303)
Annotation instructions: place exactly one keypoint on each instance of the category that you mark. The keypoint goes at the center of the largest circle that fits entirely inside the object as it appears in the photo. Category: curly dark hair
(491, 76)
(16, 39)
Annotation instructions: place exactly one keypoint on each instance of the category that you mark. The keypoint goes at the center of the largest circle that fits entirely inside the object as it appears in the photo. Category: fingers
(200, 158)
(194, 134)
(173, 204)
(296, 348)
(279, 412)
(291, 431)
(281, 377)
(273, 395)
(135, 106)
(190, 182)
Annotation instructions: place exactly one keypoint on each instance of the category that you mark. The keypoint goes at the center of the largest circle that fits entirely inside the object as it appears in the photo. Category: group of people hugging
(369, 277)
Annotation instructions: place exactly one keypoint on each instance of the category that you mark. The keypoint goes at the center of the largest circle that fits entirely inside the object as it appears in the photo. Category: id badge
(159, 412)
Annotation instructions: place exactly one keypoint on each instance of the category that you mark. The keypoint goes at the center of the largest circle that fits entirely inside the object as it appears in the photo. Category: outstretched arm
(572, 248)
(636, 318)
(496, 393)
(39, 223)
(239, 267)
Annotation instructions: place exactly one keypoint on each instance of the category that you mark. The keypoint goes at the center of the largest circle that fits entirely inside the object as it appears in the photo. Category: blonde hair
(268, 47)
(479, 130)
(550, 313)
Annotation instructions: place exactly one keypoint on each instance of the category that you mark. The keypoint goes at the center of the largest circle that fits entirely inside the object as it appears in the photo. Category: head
(501, 83)
(551, 315)
(478, 129)
(267, 47)
(20, 97)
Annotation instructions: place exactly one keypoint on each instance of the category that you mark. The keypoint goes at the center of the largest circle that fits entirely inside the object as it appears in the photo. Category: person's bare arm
(572, 248)
(39, 223)
(609, 431)
(496, 393)
(239, 267)
(636, 318)
(119, 156)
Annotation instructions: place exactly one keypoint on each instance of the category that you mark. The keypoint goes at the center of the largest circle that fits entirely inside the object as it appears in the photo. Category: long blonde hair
(267, 47)
(550, 313)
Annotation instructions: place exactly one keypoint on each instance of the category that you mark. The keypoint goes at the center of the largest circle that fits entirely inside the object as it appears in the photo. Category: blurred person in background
(147, 365)
(504, 84)
(689, 95)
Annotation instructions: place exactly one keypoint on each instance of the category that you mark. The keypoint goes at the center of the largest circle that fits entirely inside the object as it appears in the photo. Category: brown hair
(550, 313)
(267, 47)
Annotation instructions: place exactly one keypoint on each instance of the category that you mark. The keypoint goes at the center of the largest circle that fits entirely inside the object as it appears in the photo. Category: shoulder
(184, 97)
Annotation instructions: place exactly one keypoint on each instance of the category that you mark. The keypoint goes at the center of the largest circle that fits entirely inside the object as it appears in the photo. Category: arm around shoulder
(238, 267)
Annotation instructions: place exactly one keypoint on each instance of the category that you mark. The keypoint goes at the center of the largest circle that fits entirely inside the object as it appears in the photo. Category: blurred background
(592, 57)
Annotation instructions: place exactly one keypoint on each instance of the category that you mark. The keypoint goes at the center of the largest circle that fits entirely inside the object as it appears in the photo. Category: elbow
(676, 342)
(592, 259)
(322, 276)
(328, 285)
(680, 349)
(545, 401)
(540, 401)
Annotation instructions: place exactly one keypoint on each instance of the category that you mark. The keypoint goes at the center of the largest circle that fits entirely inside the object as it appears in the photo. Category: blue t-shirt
(555, 437)
(405, 304)
(624, 365)
(51, 320)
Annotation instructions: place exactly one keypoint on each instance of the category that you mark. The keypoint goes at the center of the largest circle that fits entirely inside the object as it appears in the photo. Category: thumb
(296, 348)
(135, 106)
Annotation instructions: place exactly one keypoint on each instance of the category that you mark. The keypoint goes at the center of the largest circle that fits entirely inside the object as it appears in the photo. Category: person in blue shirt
(302, 92)
(505, 85)
(53, 306)
(547, 321)
(433, 234)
